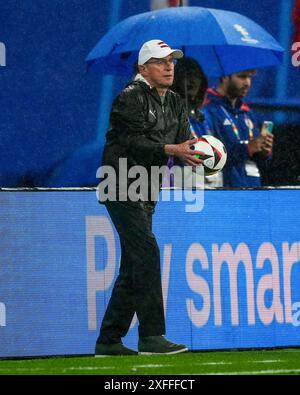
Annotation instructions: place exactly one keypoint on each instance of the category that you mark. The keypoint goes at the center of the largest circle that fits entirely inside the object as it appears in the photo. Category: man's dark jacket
(140, 127)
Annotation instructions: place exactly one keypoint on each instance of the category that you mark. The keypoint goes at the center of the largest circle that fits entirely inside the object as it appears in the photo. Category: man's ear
(225, 80)
(141, 68)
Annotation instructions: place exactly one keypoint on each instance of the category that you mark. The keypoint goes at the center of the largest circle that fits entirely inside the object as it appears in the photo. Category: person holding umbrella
(148, 123)
(233, 122)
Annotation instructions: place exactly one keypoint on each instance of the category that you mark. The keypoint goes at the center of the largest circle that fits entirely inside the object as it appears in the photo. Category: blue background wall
(54, 115)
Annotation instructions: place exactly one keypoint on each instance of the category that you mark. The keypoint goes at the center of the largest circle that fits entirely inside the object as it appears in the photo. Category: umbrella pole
(186, 94)
(219, 60)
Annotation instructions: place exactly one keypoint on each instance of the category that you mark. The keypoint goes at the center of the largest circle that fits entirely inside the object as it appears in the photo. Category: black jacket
(140, 127)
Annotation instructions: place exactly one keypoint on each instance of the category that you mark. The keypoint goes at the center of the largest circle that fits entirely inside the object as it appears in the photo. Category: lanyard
(235, 128)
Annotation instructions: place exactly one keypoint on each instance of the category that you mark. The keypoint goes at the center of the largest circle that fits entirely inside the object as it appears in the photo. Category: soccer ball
(215, 154)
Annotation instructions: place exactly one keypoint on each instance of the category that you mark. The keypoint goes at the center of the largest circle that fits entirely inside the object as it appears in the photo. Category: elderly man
(148, 123)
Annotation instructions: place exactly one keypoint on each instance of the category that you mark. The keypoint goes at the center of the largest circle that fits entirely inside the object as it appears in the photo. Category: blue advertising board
(230, 272)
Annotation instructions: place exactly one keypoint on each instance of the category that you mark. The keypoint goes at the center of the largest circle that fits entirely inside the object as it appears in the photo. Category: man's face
(159, 72)
(238, 85)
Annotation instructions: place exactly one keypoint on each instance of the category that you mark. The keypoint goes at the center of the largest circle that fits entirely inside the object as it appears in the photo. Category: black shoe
(102, 350)
(159, 345)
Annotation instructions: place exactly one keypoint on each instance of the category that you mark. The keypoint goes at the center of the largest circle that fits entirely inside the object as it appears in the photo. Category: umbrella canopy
(223, 42)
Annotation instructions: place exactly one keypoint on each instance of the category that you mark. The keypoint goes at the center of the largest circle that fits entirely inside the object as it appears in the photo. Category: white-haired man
(148, 123)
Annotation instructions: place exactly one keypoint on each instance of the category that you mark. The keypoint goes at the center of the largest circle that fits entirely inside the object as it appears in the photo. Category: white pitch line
(152, 366)
(64, 369)
(20, 369)
(214, 363)
(89, 367)
(81, 368)
(271, 371)
(267, 361)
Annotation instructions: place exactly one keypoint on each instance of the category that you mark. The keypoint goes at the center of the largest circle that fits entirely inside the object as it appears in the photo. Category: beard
(233, 91)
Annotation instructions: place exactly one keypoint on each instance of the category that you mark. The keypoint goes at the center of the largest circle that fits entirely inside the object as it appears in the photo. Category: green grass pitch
(258, 362)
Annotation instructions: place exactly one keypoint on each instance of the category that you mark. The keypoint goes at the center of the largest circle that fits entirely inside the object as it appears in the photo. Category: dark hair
(184, 68)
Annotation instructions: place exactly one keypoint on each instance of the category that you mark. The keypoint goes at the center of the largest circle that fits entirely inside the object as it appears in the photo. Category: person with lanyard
(232, 121)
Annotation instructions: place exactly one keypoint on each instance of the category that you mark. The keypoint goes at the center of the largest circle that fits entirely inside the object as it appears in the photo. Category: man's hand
(185, 152)
(262, 144)
(268, 145)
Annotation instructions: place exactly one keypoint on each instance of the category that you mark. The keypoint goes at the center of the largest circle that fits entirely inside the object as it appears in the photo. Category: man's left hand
(268, 144)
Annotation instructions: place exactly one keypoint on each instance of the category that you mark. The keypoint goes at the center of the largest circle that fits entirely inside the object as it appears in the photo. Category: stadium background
(54, 115)
(53, 120)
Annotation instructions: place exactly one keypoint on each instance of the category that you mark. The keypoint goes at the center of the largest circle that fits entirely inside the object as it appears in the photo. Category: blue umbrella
(223, 42)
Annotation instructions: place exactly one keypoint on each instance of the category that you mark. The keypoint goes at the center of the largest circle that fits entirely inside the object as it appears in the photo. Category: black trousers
(138, 286)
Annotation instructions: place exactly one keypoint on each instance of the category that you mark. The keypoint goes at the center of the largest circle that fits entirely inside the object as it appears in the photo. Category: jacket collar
(139, 77)
(145, 84)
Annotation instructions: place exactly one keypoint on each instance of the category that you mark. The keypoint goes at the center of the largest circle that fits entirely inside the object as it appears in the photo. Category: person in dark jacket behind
(148, 123)
(191, 83)
(232, 121)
